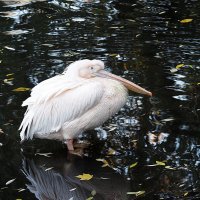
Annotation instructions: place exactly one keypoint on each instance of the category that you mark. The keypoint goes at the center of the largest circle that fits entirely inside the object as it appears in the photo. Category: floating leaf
(185, 194)
(104, 178)
(48, 169)
(10, 181)
(160, 163)
(93, 193)
(21, 189)
(186, 20)
(85, 177)
(168, 120)
(10, 74)
(173, 70)
(111, 151)
(9, 48)
(104, 161)
(90, 198)
(44, 154)
(3, 188)
(72, 189)
(133, 165)
(1, 131)
(169, 167)
(179, 66)
(137, 193)
(21, 89)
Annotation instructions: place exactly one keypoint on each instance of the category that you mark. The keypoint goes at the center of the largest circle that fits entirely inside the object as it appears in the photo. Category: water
(141, 40)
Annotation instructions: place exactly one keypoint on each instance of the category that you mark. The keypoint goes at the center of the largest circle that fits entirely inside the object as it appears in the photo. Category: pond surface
(152, 146)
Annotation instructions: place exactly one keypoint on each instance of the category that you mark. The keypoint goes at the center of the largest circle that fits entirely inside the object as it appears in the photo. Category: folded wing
(56, 101)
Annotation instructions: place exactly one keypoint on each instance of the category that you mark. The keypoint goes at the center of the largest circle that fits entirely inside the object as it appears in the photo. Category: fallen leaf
(133, 165)
(104, 178)
(186, 20)
(169, 167)
(173, 70)
(48, 169)
(10, 74)
(160, 163)
(21, 189)
(137, 193)
(104, 161)
(111, 151)
(185, 194)
(1, 131)
(85, 177)
(72, 189)
(89, 198)
(21, 89)
(10, 181)
(93, 193)
(168, 120)
(44, 154)
(179, 66)
(3, 188)
(9, 48)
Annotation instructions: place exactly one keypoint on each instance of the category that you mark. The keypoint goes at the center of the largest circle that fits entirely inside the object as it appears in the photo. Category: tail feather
(26, 126)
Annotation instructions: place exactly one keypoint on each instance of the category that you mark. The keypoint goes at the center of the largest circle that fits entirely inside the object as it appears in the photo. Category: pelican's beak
(128, 84)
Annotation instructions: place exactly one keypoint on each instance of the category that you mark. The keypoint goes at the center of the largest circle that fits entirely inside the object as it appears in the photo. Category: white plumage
(83, 97)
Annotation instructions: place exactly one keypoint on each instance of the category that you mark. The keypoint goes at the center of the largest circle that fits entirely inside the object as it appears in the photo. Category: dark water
(140, 40)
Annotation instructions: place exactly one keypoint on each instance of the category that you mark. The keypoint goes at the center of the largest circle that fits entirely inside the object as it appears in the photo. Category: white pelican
(82, 98)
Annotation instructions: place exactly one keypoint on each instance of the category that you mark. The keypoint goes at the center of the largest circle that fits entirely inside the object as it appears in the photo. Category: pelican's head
(87, 69)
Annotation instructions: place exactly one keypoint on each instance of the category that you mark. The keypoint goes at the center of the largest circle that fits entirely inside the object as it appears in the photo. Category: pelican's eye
(92, 68)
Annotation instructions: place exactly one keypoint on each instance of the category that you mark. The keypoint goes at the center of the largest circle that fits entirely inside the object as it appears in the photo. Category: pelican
(83, 97)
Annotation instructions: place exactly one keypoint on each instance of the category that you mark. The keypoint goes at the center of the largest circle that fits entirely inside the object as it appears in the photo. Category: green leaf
(186, 20)
(133, 165)
(21, 89)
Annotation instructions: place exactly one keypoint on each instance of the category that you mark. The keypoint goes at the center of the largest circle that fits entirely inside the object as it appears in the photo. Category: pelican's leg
(69, 143)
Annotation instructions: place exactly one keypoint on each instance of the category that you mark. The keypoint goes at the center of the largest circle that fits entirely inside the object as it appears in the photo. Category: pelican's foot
(70, 145)
(81, 144)
(77, 152)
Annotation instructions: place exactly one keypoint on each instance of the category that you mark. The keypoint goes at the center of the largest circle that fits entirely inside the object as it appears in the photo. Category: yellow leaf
(93, 193)
(105, 162)
(169, 167)
(21, 89)
(186, 20)
(133, 165)
(179, 66)
(185, 194)
(111, 152)
(10, 74)
(90, 198)
(137, 193)
(105, 165)
(160, 163)
(85, 177)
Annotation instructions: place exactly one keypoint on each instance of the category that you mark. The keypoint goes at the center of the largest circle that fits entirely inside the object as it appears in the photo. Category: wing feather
(57, 101)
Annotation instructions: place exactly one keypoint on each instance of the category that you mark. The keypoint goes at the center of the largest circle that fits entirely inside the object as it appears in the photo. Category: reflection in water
(54, 178)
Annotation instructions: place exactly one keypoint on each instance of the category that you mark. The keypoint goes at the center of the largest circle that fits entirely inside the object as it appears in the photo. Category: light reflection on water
(141, 41)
